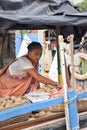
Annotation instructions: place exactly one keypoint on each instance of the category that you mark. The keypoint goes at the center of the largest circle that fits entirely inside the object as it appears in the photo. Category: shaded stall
(54, 14)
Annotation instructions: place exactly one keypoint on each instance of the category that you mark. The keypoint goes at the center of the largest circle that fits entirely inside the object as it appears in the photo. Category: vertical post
(73, 113)
(58, 56)
(1, 46)
(83, 64)
(63, 70)
(73, 80)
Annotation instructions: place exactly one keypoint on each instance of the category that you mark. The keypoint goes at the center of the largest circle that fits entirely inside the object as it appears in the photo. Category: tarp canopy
(37, 14)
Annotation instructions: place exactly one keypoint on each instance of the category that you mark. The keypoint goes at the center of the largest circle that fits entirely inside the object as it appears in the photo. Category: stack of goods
(12, 101)
(57, 110)
(53, 91)
(9, 102)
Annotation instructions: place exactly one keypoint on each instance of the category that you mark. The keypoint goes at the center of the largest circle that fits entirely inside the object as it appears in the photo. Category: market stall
(60, 16)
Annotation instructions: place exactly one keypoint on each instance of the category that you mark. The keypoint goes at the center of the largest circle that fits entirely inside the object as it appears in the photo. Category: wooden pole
(83, 68)
(63, 71)
(58, 56)
(73, 80)
(82, 64)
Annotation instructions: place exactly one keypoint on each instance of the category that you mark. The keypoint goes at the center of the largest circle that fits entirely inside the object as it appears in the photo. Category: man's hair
(34, 45)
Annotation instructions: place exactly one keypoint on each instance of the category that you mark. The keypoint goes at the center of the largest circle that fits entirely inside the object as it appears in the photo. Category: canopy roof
(37, 14)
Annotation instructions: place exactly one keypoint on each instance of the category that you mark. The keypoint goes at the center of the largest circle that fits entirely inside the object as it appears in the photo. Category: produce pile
(12, 101)
(59, 108)
(55, 92)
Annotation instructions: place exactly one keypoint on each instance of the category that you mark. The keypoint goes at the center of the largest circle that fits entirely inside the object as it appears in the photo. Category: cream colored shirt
(20, 65)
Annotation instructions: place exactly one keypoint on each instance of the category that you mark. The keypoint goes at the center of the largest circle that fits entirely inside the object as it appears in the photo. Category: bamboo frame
(63, 71)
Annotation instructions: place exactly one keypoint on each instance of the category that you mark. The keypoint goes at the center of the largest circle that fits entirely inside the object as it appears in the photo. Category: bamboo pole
(63, 71)
(58, 56)
(1, 46)
(73, 80)
(83, 62)
(83, 67)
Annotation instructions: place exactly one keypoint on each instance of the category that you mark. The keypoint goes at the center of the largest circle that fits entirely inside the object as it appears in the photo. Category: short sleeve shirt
(20, 65)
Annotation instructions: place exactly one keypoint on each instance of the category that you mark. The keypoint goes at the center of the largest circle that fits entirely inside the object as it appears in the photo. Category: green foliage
(23, 31)
(82, 6)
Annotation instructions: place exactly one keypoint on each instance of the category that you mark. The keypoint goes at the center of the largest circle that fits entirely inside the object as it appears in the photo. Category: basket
(14, 120)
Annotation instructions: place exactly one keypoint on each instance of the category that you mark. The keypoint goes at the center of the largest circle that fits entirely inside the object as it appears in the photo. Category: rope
(71, 100)
(75, 128)
(68, 102)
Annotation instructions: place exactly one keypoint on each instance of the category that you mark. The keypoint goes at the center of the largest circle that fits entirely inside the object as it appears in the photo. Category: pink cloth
(16, 85)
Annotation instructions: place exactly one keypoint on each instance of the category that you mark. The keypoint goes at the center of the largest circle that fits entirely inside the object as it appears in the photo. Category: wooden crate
(14, 120)
(82, 105)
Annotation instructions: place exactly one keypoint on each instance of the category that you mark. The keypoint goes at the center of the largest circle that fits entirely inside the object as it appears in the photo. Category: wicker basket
(14, 120)
(82, 104)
